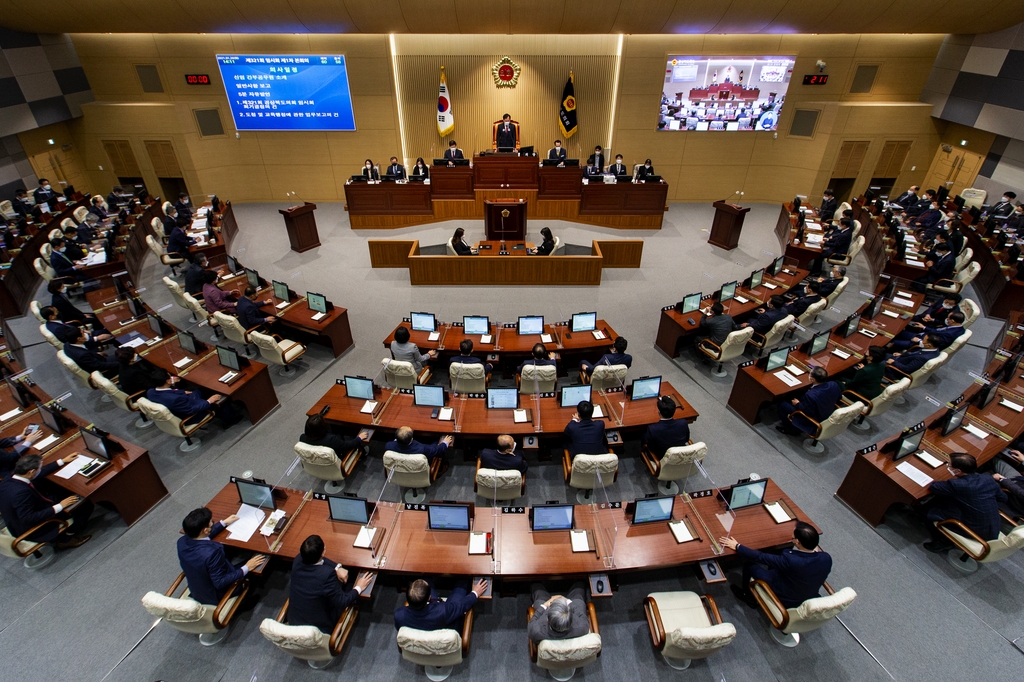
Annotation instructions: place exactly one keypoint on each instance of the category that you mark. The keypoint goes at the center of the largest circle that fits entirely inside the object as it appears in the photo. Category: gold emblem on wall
(505, 213)
(506, 73)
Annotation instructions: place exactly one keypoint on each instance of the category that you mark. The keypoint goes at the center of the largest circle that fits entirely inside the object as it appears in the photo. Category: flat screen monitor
(908, 443)
(281, 290)
(233, 264)
(228, 358)
(138, 308)
(16, 393)
(691, 302)
(348, 509)
(551, 517)
(255, 494)
(95, 443)
(503, 398)
(819, 343)
(428, 396)
(187, 342)
(530, 324)
(423, 322)
(850, 327)
(573, 395)
(122, 290)
(1009, 368)
(653, 509)
(584, 322)
(645, 387)
(448, 516)
(253, 278)
(747, 494)
(873, 308)
(154, 324)
(777, 265)
(359, 387)
(755, 278)
(987, 394)
(317, 302)
(474, 324)
(955, 417)
(776, 359)
(728, 291)
(50, 416)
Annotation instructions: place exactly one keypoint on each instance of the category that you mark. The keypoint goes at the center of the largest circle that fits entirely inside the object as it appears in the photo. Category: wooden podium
(505, 219)
(301, 226)
(725, 230)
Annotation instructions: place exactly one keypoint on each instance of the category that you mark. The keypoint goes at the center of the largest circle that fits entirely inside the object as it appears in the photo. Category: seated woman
(216, 299)
(548, 245)
(458, 243)
(318, 433)
(645, 170)
(420, 169)
(370, 171)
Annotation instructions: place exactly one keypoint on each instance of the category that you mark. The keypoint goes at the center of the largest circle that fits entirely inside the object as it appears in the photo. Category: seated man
(801, 304)
(317, 595)
(426, 611)
(1007, 474)
(187, 404)
(765, 318)
(970, 497)
(453, 152)
(504, 458)
(207, 570)
(465, 350)
(817, 403)
(507, 134)
(248, 311)
(618, 169)
(406, 445)
(194, 275)
(183, 206)
(667, 432)
(541, 357)
(178, 242)
(56, 327)
(558, 617)
(170, 221)
(794, 575)
(395, 170)
(826, 285)
(944, 334)
(318, 433)
(716, 324)
(136, 374)
(940, 269)
(67, 311)
(935, 315)
(24, 506)
(585, 435)
(63, 265)
(73, 249)
(557, 153)
(618, 356)
(866, 381)
(404, 350)
(909, 361)
(74, 339)
(20, 443)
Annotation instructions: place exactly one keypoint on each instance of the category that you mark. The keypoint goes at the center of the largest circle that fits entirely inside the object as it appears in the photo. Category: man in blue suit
(795, 575)
(799, 306)
(18, 445)
(970, 497)
(207, 570)
(584, 435)
(56, 327)
(910, 361)
(817, 403)
(67, 311)
(922, 204)
(908, 198)
(170, 221)
(75, 347)
(426, 611)
(62, 263)
(406, 445)
(765, 318)
(557, 152)
(944, 335)
(178, 242)
(187, 404)
(504, 458)
(465, 350)
(248, 311)
(935, 315)
(183, 206)
(618, 356)
(541, 357)
(317, 595)
(928, 218)
(937, 270)
(24, 505)
(667, 432)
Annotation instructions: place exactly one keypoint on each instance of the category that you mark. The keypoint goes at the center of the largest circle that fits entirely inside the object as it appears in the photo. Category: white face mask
(648, 166)
(48, 187)
(1005, 199)
(947, 306)
(935, 207)
(185, 201)
(368, 166)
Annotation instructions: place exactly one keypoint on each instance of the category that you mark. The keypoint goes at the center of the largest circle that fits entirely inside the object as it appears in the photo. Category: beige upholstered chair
(450, 250)
(165, 258)
(200, 313)
(676, 465)
(837, 422)
(494, 484)
(307, 642)
(50, 338)
(234, 331)
(856, 229)
(537, 379)
(57, 233)
(324, 463)
(36, 309)
(438, 650)
(810, 315)
(561, 657)
(158, 229)
(177, 293)
(121, 399)
(44, 270)
(558, 245)
(880, 405)
(922, 375)
(732, 347)
(71, 366)
(971, 311)
(7, 208)
(186, 614)
(413, 472)
(80, 213)
(846, 259)
(585, 471)
(774, 335)
(959, 342)
(168, 423)
(46, 252)
(402, 374)
(845, 206)
(605, 377)
(278, 351)
(964, 258)
(837, 292)
(972, 550)
(685, 626)
(467, 377)
(787, 624)
(35, 555)
(959, 282)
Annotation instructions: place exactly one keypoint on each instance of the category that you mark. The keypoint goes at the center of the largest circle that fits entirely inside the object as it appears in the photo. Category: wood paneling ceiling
(511, 16)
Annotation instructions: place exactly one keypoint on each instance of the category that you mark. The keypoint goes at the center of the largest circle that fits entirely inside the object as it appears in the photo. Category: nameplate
(933, 401)
(978, 377)
(614, 389)
(748, 363)
(668, 307)
(701, 493)
(1004, 353)
(870, 448)
(548, 395)
(61, 398)
(610, 505)
(510, 325)
(406, 391)
(415, 507)
(513, 510)
(957, 401)
(407, 319)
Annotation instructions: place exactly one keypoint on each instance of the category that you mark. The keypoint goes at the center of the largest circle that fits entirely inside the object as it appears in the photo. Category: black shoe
(788, 430)
(744, 596)
(938, 546)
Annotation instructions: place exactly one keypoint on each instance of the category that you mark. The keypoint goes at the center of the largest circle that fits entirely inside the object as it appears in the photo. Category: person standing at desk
(458, 243)
(317, 594)
(828, 206)
(504, 458)
(794, 575)
(426, 611)
(136, 374)
(507, 134)
(557, 153)
(404, 350)
(645, 170)
(453, 152)
(583, 434)
(44, 194)
(1001, 209)
(248, 311)
(395, 170)
(546, 246)
(420, 169)
(24, 506)
(716, 324)
(183, 206)
(618, 356)
(405, 444)
(216, 299)
(969, 497)
(668, 432)
(817, 403)
(317, 433)
(207, 570)
(595, 164)
(558, 617)
(370, 171)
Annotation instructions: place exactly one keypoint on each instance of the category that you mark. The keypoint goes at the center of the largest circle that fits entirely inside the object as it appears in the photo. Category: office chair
(845, 260)
(50, 338)
(881, 404)
(44, 270)
(467, 377)
(959, 342)
(234, 331)
(585, 471)
(413, 472)
(438, 650)
(450, 250)
(7, 208)
(732, 347)
(810, 316)
(157, 226)
(34, 554)
(200, 313)
(835, 424)
(923, 374)
(964, 258)
(677, 464)
(685, 626)
(837, 292)
(278, 351)
(183, 613)
(402, 374)
(168, 423)
(324, 463)
(558, 245)
(537, 378)
(787, 624)
(58, 233)
(971, 311)
(121, 399)
(177, 294)
(307, 642)
(494, 133)
(80, 374)
(972, 550)
(774, 335)
(499, 484)
(605, 376)
(80, 213)
(959, 282)
(37, 311)
(46, 252)
(561, 657)
(171, 260)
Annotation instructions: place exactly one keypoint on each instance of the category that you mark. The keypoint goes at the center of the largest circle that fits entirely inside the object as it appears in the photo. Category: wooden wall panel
(389, 253)
(621, 253)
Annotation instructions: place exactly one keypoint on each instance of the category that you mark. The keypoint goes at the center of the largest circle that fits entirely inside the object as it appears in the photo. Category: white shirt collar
(22, 479)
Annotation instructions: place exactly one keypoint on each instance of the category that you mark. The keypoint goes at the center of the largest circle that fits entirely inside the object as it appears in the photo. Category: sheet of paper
(580, 543)
(1013, 406)
(598, 335)
(364, 537)
(45, 443)
(519, 416)
(777, 512)
(95, 258)
(134, 343)
(486, 338)
(794, 370)
(905, 302)
(931, 460)
(281, 305)
(975, 431)
(914, 474)
(840, 354)
(445, 414)
(478, 543)
(904, 294)
(680, 531)
(598, 412)
(76, 465)
(8, 415)
(787, 378)
(769, 285)
(184, 361)
(434, 336)
(368, 407)
(249, 519)
(319, 316)
(890, 313)
(545, 338)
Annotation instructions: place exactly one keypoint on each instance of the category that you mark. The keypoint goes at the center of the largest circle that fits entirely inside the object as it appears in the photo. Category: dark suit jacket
(973, 499)
(396, 171)
(614, 358)
(826, 287)
(43, 197)
(763, 322)
(718, 327)
(316, 597)
(914, 359)
(1001, 209)
(450, 155)
(418, 448)
(839, 243)
(586, 437)
(20, 207)
(140, 375)
(545, 248)
(796, 576)
(942, 269)
(340, 444)
(437, 614)
(418, 172)
(207, 570)
(532, 361)
(1015, 222)
(181, 404)
(929, 218)
(183, 209)
(665, 434)
(906, 200)
(937, 313)
(24, 508)
(462, 248)
(619, 169)
(74, 251)
(866, 381)
(371, 173)
(193, 279)
(248, 313)
(557, 153)
(800, 305)
(10, 452)
(169, 224)
(919, 207)
(90, 360)
(178, 242)
(84, 234)
(947, 335)
(644, 171)
(66, 310)
(538, 628)
(957, 240)
(596, 160)
(63, 265)
(828, 209)
(820, 400)
(492, 459)
(506, 136)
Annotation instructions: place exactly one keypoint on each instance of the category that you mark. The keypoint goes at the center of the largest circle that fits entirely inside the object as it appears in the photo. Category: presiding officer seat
(973, 550)
(499, 484)
(676, 465)
(685, 626)
(320, 461)
(787, 624)
(186, 614)
(35, 555)
(561, 657)
(732, 347)
(307, 642)
(436, 650)
(585, 471)
(168, 423)
(413, 472)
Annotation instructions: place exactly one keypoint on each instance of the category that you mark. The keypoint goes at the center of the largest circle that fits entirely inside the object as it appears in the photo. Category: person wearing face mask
(827, 211)
(44, 194)
(453, 152)
(929, 219)
(1016, 221)
(908, 198)
(945, 334)
(183, 206)
(27, 500)
(420, 169)
(939, 269)
(20, 203)
(98, 208)
(922, 204)
(177, 241)
(935, 315)
(1004, 207)
(370, 171)
(507, 135)
(557, 153)
(395, 170)
(67, 311)
(645, 170)
(909, 361)
(595, 164)
(505, 457)
(62, 264)
(618, 169)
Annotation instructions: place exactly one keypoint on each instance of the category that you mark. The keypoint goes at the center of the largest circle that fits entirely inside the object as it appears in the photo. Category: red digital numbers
(197, 79)
(816, 79)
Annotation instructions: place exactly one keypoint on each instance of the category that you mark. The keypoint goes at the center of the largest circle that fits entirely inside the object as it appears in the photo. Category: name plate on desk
(610, 505)
(701, 493)
(415, 507)
(870, 448)
(513, 510)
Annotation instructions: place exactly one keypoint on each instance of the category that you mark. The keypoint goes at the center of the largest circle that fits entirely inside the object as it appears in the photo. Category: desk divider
(606, 527)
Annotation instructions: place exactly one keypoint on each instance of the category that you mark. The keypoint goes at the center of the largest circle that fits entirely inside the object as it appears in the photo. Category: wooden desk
(624, 198)
(505, 171)
(560, 183)
(492, 247)
(501, 270)
(20, 281)
(413, 198)
(451, 183)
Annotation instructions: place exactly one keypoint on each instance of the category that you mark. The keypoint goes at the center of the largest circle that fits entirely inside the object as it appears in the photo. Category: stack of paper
(580, 543)
(249, 519)
(975, 431)
(777, 512)
(787, 378)
(45, 443)
(478, 543)
(74, 466)
(914, 474)
(680, 531)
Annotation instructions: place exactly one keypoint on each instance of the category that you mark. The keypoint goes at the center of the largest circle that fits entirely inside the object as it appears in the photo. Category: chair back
(440, 648)
(857, 245)
(6, 207)
(965, 257)
(499, 484)
(884, 401)
(176, 292)
(158, 228)
(80, 213)
(270, 349)
(927, 369)
(494, 133)
(538, 378)
(7, 544)
(233, 329)
(586, 468)
(450, 249)
(558, 245)
(399, 373)
(735, 344)
(467, 377)
(564, 654)
(815, 612)
(837, 292)
(678, 463)
(46, 252)
(184, 614)
(44, 270)
(410, 471)
(57, 233)
(36, 309)
(778, 330)
(153, 246)
(845, 206)
(812, 312)
(967, 275)
(1005, 545)
(71, 366)
(197, 308)
(971, 311)
(856, 229)
(959, 342)
(608, 376)
(305, 642)
(117, 396)
(320, 461)
(163, 417)
(839, 420)
(50, 338)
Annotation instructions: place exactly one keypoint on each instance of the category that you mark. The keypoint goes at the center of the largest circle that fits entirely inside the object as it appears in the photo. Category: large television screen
(724, 93)
(287, 92)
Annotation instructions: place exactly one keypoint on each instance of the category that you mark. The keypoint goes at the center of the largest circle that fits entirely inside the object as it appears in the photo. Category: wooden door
(957, 167)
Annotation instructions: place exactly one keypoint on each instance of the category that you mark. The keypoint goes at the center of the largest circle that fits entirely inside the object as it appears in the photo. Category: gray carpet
(82, 613)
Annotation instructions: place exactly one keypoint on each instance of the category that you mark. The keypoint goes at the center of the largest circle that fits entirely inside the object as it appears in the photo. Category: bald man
(504, 457)
(406, 445)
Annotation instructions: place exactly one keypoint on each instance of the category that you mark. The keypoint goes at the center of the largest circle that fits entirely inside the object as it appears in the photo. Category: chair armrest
(1008, 519)
(531, 645)
(654, 623)
(754, 340)
(343, 629)
(653, 465)
(192, 425)
(828, 588)
(435, 468)
(817, 426)
(174, 586)
(566, 464)
(898, 371)
(856, 397)
(762, 585)
(283, 612)
(945, 283)
(251, 330)
(704, 343)
(351, 460)
(476, 473)
(174, 254)
(985, 549)
(221, 619)
(61, 527)
(467, 632)
(592, 617)
(712, 609)
(424, 375)
(133, 398)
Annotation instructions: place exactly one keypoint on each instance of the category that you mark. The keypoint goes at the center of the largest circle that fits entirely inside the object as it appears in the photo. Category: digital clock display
(197, 79)
(816, 79)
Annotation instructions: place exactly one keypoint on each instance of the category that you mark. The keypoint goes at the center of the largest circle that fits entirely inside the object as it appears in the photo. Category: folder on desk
(580, 541)
(682, 531)
(434, 336)
(479, 543)
(364, 539)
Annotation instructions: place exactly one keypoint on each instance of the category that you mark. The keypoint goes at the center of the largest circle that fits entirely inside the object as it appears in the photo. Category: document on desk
(794, 370)
(929, 459)
(975, 431)
(249, 519)
(282, 305)
(519, 416)
(889, 313)
(914, 474)
(478, 542)
(96, 258)
(74, 466)
(9, 415)
(318, 317)
(134, 343)
(580, 542)
(184, 361)
(486, 338)
(45, 443)
(445, 414)
(368, 407)
(778, 513)
(545, 338)
(680, 531)
(787, 378)
(365, 537)
(1013, 406)
(434, 336)
(599, 335)
(905, 302)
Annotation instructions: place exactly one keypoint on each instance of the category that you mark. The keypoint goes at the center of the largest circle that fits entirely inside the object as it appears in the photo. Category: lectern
(505, 219)
(301, 226)
(725, 230)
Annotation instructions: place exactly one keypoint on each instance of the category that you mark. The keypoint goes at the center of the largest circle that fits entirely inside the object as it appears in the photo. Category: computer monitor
(228, 358)
(889, 289)
(316, 302)
(122, 290)
(1013, 254)
(873, 308)
(849, 327)
(503, 398)
(187, 342)
(551, 517)
(428, 396)
(526, 151)
(137, 307)
(475, 324)
(755, 278)
(777, 358)
(448, 516)
(360, 387)
(653, 509)
(908, 443)
(573, 395)
(16, 393)
(281, 290)
(584, 322)
(954, 418)
(253, 278)
(691, 302)
(255, 494)
(1009, 368)
(645, 387)
(233, 264)
(818, 343)
(728, 291)
(348, 509)
(154, 325)
(777, 265)
(530, 324)
(987, 394)
(423, 322)
(746, 495)
(50, 416)
(95, 443)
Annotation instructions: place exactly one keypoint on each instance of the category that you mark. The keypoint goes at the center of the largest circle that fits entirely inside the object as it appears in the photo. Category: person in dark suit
(136, 374)
(170, 221)
(908, 198)
(248, 310)
(19, 204)
(911, 360)
(828, 206)
(453, 152)
(1016, 219)
(426, 611)
(645, 170)
(541, 357)
(465, 356)
(72, 246)
(799, 306)
(944, 334)
(24, 506)
(194, 275)
(929, 217)
(546, 246)
(955, 238)
(557, 152)
(1002, 208)
(667, 432)
(370, 171)
(45, 194)
(420, 170)
(817, 403)
(716, 324)
(178, 242)
(13, 447)
(183, 206)
(937, 270)
(207, 570)
(766, 317)
(922, 205)
(935, 315)
(395, 170)
(507, 133)
(618, 356)
(115, 197)
(618, 169)
(866, 380)
(318, 433)
(794, 575)
(970, 497)
(839, 243)
(98, 208)
(558, 617)
(585, 435)
(595, 164)
(62, 263)
(317, 594)
(67, 311)
(826, 284)
(56, 327)
(458, 243)
(504, 458)
(186, 404)
(405, 444)
(1006, 472)
(89, 360)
